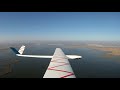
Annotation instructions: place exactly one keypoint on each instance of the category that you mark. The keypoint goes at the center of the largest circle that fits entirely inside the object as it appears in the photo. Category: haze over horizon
(63, 26)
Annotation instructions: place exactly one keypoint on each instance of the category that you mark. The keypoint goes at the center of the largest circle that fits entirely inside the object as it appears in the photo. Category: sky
(72, 26)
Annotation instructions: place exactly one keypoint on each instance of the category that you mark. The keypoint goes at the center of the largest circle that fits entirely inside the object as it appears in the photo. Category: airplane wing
(22, 48)
(59, 66)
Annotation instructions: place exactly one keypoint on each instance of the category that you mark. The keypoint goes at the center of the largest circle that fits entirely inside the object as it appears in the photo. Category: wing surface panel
(59, 66)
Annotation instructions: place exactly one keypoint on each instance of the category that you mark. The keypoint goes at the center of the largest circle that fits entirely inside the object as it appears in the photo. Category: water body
(94, 64)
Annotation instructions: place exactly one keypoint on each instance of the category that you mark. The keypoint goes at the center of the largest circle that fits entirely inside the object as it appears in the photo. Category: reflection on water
(6, 67)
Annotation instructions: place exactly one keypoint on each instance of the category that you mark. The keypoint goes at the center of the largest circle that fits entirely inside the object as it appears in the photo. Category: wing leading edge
(59, 66)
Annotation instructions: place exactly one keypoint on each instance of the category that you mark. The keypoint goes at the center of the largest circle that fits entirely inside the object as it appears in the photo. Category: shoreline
(110, 50)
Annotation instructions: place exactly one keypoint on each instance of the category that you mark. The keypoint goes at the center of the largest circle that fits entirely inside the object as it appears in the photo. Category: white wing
(59, 66)
(21, 50)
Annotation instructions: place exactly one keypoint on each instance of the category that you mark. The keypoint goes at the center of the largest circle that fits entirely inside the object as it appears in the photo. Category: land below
(110, 50)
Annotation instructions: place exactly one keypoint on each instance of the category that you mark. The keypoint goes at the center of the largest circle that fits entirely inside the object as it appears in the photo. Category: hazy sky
(59, 26)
